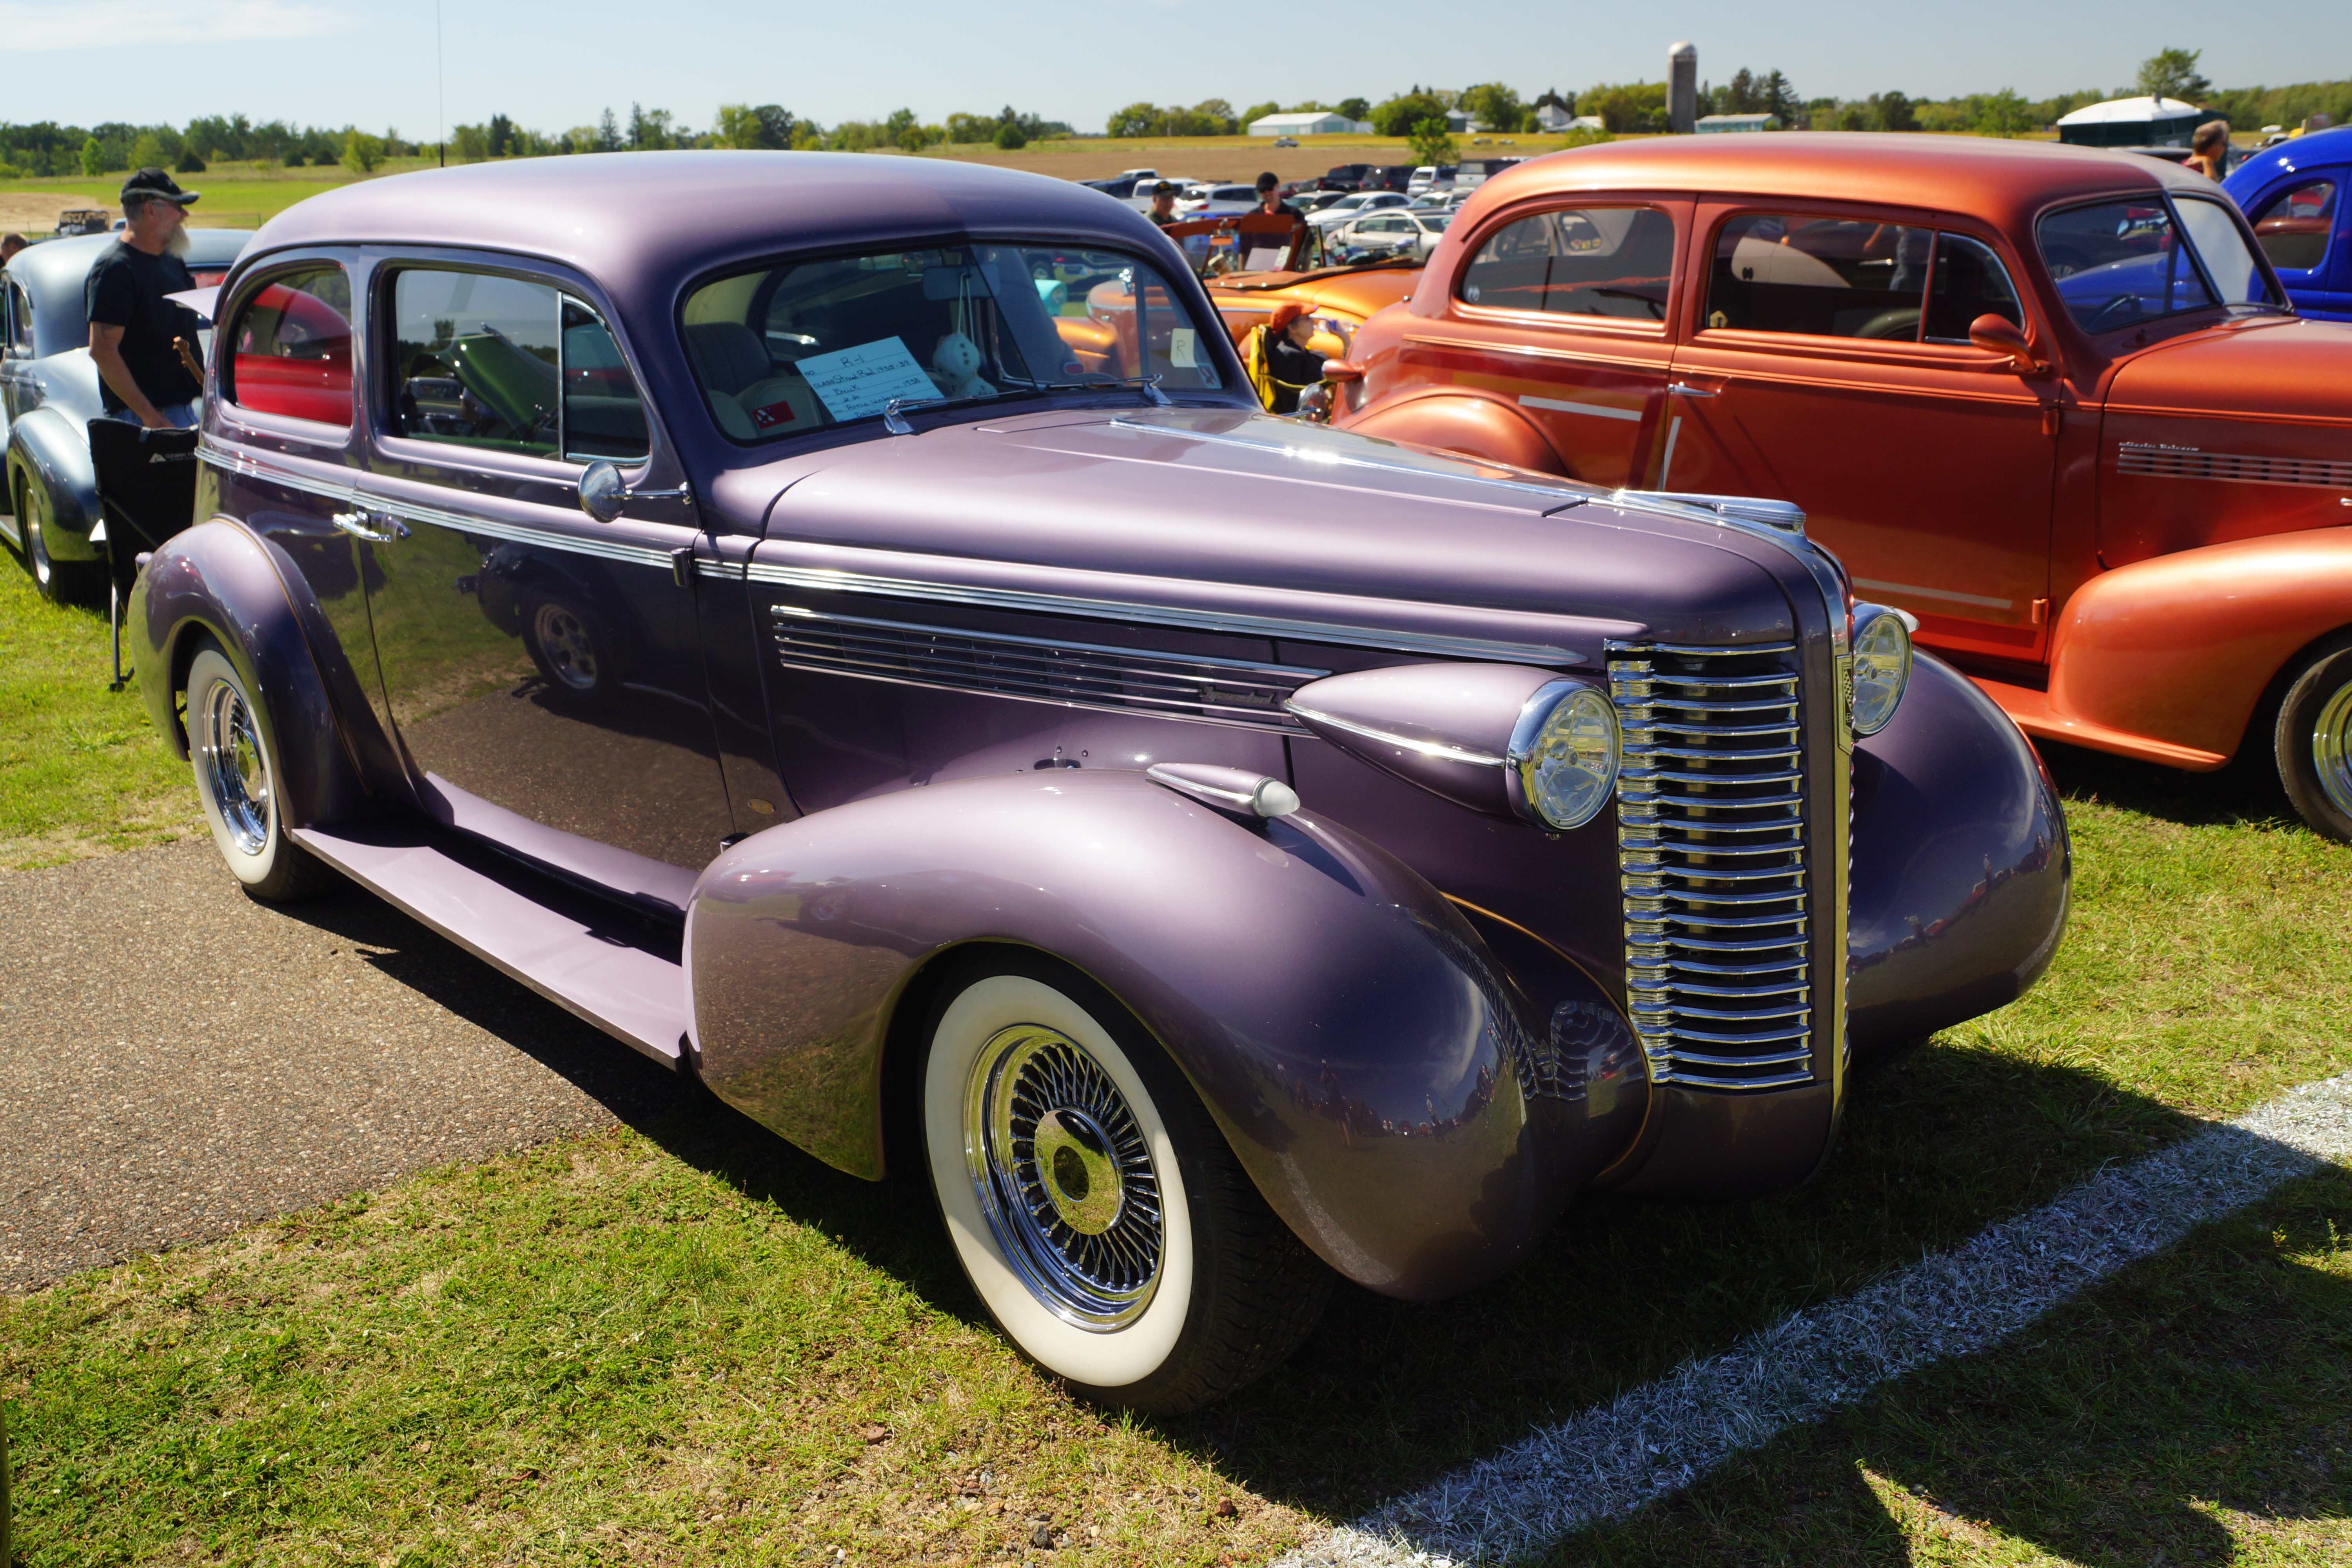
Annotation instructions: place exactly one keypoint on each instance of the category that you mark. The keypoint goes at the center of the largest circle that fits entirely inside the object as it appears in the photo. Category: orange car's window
(2292, 226)
(1825, 276)
(291, 351)
(1582, 261)
(1969, 281)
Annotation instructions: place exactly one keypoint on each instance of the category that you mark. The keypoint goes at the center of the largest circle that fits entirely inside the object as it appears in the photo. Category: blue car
(2294, 195)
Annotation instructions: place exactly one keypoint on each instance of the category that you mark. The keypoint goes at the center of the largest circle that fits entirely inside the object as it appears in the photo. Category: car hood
(1354, 293)
(1257, 515)
(2266, 368)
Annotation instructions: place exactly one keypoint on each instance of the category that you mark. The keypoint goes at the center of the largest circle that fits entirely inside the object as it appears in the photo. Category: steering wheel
(2124, 308)
(1657, 308)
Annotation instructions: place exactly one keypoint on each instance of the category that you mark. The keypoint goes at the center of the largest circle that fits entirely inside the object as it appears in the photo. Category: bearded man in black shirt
(143, 344)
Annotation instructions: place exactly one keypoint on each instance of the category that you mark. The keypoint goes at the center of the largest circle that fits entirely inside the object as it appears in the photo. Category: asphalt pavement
(177, 1060)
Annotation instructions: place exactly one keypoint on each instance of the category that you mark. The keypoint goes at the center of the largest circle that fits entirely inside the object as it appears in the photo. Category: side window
(2292, 226)
(1582, 261)
(1969, 281)
(20, 319)
(603, 415)
(1825, 276)
(290, 352)
(507, 364)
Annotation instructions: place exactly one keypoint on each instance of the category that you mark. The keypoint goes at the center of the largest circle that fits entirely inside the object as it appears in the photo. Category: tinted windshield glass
(794, 348)
(2119, 263)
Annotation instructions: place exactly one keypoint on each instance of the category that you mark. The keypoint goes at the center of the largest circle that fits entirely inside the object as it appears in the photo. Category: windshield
(791, 348)
(2120, 263)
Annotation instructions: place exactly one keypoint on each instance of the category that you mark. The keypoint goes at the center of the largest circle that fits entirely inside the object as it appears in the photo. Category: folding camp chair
(146, 493)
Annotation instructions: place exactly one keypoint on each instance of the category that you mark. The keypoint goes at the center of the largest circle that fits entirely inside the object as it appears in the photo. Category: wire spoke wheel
(234, 771)
(1065, 1176)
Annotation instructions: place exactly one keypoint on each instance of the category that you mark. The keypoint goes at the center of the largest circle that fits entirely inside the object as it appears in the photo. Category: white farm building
(1326, 122)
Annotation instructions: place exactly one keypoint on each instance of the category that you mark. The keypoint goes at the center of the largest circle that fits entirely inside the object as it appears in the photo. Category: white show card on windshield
(861, 381)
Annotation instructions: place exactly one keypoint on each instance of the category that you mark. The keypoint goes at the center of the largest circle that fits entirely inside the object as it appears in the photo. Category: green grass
(674, 1344)
(80, 766)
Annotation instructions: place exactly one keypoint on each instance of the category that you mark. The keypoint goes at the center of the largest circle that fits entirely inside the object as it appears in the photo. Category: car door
(542, 667)
(2301, 226)
(1828, 364)
(1562, 311)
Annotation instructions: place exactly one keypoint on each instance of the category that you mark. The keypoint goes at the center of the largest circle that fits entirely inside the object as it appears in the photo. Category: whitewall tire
(1094, 1207)
(232, 752)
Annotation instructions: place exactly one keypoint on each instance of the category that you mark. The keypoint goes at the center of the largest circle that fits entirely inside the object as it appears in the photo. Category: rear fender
(48, 451)
(1960, 869)
(2179, 649)
(1452, 420)
(1363, 1051)
(220, 580)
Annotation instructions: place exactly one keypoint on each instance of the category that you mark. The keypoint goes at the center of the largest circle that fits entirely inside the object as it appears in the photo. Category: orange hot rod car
(2050, 400)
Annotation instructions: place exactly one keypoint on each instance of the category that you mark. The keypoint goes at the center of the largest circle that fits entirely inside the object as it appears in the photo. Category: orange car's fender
(1458, 419)
(2167, 659)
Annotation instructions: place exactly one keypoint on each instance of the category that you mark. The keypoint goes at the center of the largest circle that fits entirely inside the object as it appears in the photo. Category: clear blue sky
(330, 62)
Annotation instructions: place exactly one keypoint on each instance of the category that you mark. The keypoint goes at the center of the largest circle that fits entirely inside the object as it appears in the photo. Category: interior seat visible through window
(291, 352)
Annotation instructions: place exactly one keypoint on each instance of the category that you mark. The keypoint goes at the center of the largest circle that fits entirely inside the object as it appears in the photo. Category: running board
(601, 964)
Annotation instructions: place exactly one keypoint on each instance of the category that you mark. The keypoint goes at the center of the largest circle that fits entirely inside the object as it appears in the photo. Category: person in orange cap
(1281, 364)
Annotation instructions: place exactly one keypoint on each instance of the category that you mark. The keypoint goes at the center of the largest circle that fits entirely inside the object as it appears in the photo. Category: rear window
(290, 352)
(795, 348)
(1579, 261)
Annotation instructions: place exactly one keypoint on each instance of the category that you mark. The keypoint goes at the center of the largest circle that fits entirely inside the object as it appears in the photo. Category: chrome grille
(2186, 463)
(1074, 674)
(1711, 840)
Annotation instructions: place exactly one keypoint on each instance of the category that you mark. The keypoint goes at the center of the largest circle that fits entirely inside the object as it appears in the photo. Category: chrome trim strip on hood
(828, 579)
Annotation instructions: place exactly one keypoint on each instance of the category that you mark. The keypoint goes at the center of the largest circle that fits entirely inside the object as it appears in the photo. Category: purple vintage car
(843, 626)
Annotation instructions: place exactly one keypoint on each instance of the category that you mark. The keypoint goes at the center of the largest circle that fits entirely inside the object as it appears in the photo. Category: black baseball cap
(154, 185)
(1267, 181)
(1164, 188)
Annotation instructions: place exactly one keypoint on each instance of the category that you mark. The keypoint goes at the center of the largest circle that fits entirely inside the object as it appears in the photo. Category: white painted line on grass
(1659, 1438)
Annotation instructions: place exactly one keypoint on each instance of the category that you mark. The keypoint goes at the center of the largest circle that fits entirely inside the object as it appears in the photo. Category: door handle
(356, 523)
(1684, 389)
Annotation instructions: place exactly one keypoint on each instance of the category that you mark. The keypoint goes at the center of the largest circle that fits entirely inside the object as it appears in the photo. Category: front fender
(1960, 869)
(220, 579)
(1364, 1053)
(1452, 420)
(49, 451)
(2177, 649)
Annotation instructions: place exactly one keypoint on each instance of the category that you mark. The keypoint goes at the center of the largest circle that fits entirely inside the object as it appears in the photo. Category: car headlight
(1882, 665)
(1563, 755)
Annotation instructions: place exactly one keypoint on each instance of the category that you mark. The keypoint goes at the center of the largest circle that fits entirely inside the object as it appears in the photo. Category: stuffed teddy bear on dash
(955, 365)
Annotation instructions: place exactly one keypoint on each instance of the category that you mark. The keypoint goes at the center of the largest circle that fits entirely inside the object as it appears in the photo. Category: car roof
(651, 219)
(2001, 181)
(2313, 150)
(55, 270)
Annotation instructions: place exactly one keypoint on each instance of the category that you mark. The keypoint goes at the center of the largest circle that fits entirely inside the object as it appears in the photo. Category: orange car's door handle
(1684, 389)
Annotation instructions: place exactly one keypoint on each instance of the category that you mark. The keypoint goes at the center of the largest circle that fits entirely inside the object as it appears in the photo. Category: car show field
(672, 953)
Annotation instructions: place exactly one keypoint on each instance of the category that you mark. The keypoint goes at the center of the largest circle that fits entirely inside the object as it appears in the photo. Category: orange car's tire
(2313, 740)
(1149, 1274)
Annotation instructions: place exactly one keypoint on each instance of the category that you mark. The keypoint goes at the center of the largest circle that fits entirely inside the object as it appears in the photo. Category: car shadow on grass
(2246, 791)
(1386, 1394)
(2124, 1429)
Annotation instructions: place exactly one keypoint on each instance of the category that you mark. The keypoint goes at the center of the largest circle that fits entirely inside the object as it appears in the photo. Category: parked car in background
(1219, 201)
(2050, 400)
(1400, 233)
(1286, 141)
(1356, 205)
(1431, 176)
(2294, 196)
(48, 395)
(784, 630)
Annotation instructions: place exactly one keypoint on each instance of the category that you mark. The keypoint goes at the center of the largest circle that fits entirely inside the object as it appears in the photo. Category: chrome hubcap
(37, 543)
(236, 772)
(2331, 748)
(570, 651)
(1065, 1177)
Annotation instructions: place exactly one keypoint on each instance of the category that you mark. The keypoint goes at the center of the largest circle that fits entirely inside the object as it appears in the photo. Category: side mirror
(2000, 335)
(602, 492)
(1339, 370)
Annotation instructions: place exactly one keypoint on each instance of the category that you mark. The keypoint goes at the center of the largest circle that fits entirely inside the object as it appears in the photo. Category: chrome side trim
(1238, 693)
(1913, 589)
(825, 579)
(2159, 461)
(1437, 749)
(1562, 405)
(354, 498)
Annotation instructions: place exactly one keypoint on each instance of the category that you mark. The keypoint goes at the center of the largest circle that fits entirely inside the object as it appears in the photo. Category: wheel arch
(1346, 1028)
(1455, 419)
(44, 445)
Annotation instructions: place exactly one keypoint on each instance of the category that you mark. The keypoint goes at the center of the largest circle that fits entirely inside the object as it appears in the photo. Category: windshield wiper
(893, 422)
(1146, 385)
